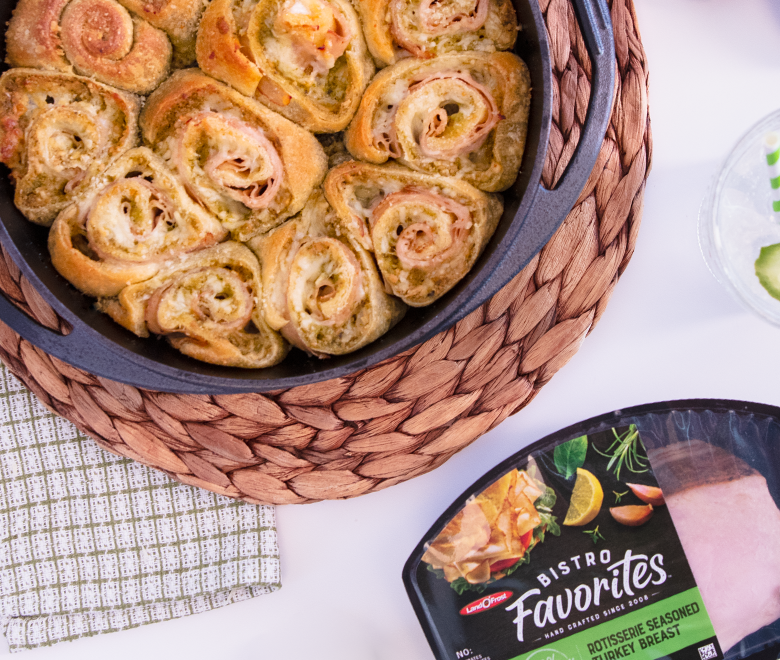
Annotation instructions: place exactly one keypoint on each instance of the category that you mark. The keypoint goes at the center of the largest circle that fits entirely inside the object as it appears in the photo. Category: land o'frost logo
(485, 603)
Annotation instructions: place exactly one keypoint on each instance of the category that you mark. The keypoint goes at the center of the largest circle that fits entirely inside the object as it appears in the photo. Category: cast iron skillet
(531, 215)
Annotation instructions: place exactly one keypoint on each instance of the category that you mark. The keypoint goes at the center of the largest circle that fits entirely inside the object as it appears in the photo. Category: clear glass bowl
(736, 220)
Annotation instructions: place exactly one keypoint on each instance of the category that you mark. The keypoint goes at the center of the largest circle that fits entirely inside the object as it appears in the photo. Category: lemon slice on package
(585, 501)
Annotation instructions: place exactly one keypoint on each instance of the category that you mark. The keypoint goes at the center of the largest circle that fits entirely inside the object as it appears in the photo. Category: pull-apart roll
(427, 28)
(58, 131)
(96, 38)
(135, 217)
(426, 231)
(206, 305)
(247, 165)
(322, 289)
(179, 19)
(463, 115)
(305, 59)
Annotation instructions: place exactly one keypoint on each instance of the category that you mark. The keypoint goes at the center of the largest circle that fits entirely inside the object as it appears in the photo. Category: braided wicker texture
(408, 415)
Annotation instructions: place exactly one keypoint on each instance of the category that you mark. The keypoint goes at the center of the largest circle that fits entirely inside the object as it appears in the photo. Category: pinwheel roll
(179, 19)
(322, 290)
(247, 165)
(96, 38)
(57, 131)
(426, 28)
(207, 306)
(463, 115)
(134, 218)
(426, 231)
(305, 59)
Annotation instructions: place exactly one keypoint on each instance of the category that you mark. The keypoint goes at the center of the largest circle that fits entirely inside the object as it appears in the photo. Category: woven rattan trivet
(409, 414)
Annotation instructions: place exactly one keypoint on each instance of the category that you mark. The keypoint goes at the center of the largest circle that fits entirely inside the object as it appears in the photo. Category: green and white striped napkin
(93, 543)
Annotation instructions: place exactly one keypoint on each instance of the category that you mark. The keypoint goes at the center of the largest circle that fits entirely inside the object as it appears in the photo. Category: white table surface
(670, 332)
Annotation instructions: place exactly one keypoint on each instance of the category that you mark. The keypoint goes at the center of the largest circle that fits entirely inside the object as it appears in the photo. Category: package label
(677, 627)
(569, 555)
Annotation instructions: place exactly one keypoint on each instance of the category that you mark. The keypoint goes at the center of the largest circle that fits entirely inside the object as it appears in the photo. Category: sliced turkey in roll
(425, 230)
(96, 38)
(305, 59)
(247, 165)
(206, 304)
(57, 132)
(427, 28)
(134, 218)
(322, 289)
(463, 115)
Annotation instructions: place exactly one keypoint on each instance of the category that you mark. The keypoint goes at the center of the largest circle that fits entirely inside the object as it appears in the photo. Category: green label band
(773, 157)
(647, 633)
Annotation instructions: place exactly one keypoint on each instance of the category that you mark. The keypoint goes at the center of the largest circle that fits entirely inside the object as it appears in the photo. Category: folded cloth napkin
(93, 543)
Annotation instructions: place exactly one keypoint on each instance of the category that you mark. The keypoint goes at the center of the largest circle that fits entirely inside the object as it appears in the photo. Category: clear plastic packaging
(736, 220)
(751, 434)
(504, 573)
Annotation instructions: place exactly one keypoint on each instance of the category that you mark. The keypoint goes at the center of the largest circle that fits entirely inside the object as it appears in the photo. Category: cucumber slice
(768, 269)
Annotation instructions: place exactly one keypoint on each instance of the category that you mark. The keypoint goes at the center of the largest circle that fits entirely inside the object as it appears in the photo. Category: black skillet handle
(80, 348)
(551, 206)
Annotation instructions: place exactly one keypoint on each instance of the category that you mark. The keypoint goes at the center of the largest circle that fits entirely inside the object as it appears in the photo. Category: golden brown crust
(394, 29)
(248, 49)
(375, 18)
(207, 306)
(273, 249)
(501, 15)
(178, 19)
(88, 274)
(322, 289)
(442, 224)
(57, 132)
(96, 38)
(495, 85)
(30, 39)
(359, 136)
(189, 96)
(134, 217)
(219, 51)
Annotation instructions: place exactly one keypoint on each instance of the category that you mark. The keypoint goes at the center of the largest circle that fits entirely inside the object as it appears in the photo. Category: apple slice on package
(644, 533)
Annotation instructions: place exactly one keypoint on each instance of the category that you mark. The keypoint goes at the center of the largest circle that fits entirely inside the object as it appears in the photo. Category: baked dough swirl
(134, 218)
(426, 231)
(463, 115)
(96, 38)
(207, 306)
(247, 165)
(427, 28)
(179, 19)
(322, 289)
(58, 131)
(305, 59)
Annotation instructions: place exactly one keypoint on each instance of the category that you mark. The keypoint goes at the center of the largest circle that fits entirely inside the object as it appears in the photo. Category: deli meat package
(646, 533)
